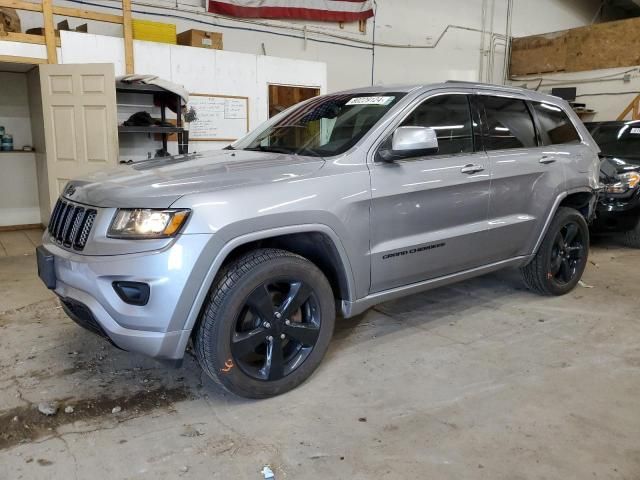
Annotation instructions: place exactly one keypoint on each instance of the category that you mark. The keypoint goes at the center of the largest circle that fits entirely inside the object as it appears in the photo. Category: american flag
(322, 10)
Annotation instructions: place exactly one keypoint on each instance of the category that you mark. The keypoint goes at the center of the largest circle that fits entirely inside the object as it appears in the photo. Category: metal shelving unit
(165, 98)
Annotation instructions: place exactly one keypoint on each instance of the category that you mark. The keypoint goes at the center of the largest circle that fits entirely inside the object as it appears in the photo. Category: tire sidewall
(230, 374)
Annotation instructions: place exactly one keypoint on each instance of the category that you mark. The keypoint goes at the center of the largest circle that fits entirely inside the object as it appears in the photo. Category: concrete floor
(19, 242)
(478, 380)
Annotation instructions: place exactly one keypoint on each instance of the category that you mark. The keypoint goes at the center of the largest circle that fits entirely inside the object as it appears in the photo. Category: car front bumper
(617, 214)
(84, 285)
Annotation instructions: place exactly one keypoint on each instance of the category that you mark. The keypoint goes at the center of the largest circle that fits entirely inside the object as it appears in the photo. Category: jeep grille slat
(70, 225)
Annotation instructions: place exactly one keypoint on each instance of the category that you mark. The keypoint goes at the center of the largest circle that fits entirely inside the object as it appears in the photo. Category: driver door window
(450, 117)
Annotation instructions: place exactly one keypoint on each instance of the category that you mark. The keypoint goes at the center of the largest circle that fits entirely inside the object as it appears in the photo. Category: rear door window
(509, 123)
(450, 117)
(556, 127)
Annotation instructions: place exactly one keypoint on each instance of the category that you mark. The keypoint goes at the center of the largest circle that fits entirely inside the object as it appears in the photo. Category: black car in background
(619, 205)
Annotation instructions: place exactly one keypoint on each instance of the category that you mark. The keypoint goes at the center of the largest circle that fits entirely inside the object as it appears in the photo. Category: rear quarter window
(556, 127)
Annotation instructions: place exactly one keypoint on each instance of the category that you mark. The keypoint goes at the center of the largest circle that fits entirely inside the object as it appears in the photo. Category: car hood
(612, 166)
(158, 183)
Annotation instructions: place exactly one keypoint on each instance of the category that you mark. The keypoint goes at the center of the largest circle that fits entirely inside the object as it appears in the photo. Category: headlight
(141, 223)
(626, 182)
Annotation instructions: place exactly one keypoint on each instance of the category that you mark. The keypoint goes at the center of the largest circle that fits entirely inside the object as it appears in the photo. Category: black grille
(71, 224)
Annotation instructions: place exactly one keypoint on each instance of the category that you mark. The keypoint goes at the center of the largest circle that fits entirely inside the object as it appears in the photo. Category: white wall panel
(87, 48)
(152, 58)
(18, 49)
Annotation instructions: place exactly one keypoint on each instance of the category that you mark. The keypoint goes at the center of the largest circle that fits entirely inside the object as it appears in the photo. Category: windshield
(618, 140)
(323, 126)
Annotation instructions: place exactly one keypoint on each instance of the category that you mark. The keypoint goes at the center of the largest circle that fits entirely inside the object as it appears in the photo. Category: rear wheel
(562, 258)
(267, 324)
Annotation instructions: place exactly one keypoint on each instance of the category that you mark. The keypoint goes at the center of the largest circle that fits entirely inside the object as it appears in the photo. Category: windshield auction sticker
(371, 101)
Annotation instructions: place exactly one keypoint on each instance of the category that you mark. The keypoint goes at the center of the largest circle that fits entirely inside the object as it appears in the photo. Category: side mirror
(410, 142)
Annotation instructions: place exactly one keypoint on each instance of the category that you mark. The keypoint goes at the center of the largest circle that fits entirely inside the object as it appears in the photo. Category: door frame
(278, 84)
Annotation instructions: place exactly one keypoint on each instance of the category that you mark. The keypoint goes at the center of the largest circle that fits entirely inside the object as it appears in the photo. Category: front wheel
(267, 324)
(562, 258)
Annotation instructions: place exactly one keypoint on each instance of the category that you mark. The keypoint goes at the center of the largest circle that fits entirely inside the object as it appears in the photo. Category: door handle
(547, 160)
(472, 168)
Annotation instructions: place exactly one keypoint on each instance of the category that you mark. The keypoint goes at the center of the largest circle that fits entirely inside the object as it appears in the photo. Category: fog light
(133, 293)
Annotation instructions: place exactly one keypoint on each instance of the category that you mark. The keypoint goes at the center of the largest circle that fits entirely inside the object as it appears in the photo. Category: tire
(559, 264)
(631, 238)
(267, 324)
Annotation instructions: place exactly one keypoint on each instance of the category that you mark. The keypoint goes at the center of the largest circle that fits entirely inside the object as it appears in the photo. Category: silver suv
(337, 204)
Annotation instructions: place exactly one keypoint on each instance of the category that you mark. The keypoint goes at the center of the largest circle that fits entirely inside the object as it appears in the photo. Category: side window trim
(540, 134)
(477, 123)
(484, 124)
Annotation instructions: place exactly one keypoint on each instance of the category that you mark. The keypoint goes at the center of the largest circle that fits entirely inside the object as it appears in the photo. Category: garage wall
(348, 53)
(457, 55)
(18, 189)
(200, 71)
(14, 107)
(608, 92)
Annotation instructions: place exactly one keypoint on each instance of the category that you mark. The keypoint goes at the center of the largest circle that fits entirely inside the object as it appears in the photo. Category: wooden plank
(604, 45)
(20, 5)
(29, 60)
(627, 110)
(128, 36)
(49, 31)
(23, 38)
(88, 14)
(594, 47)
(26, 38)
(538, 54)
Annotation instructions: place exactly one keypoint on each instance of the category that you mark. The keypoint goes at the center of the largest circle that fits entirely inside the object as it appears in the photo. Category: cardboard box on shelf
(201, 38)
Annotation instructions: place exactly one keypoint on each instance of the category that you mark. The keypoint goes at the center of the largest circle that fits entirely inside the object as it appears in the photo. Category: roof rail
(488, 85)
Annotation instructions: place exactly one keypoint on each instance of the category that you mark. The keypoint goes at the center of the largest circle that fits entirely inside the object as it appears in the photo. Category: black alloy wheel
(277, 329)
(267, 323)
(558, 265)
(567, 253)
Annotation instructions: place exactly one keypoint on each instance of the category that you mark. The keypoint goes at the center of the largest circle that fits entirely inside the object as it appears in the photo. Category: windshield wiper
(272, 149)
